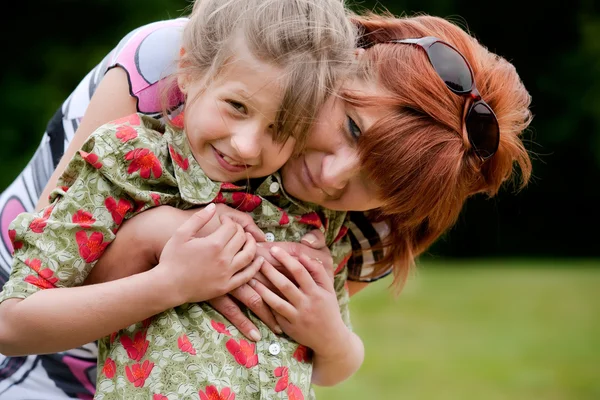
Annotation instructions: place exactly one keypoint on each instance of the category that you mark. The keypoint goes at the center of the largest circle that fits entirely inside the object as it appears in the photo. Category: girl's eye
(353, 128)
(239, 107)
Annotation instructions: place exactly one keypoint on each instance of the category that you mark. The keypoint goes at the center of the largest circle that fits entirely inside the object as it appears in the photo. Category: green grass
(486, 330)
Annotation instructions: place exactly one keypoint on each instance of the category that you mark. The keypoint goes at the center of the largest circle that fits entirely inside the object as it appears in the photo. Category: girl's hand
(203, 268)
(308, 313)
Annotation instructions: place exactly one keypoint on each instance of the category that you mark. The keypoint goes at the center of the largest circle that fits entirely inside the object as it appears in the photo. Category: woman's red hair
(419, 154)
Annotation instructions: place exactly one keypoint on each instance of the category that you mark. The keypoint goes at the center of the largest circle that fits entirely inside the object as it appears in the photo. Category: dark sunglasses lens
(451, 67)
(483, 130)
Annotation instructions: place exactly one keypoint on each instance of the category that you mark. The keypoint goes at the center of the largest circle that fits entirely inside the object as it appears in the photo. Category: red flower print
(137, 374)
(312, 218)
(302, 354)
(245, 201)
(132, 119)
(219, 199)
(184, 344)
(90, 249)
(113, 336)
(294, 393)
(213, 394)
(12, 235)
(136, 348)
(341, 234)
(117, 210)
(220, 327)
(243, 352)
(229, 186)
(44, 278)
(83, 218)
(125, 133)
(159, 397)
(109, 368)
(155, 198)
(178, 120)
(282, 374)
(91, 159)
(184, 164)
(284, 218)
(342, 264)
(39, 223)
(39, 282)
(64, 188)
(145, 161)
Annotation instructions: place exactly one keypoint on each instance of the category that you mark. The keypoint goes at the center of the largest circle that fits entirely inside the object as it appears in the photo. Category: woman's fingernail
(309, 238)
(277, 329)
(252, 282)
(275, 249)
(254, 335)
(210, 207)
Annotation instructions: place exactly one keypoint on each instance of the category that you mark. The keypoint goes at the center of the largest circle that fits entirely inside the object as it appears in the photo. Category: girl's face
(229, 124)
(328, 172)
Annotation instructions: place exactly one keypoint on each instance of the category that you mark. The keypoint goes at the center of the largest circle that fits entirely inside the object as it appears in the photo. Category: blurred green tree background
(554, 46)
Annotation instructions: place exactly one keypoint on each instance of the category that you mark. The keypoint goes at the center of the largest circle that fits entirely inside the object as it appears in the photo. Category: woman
(423, 146)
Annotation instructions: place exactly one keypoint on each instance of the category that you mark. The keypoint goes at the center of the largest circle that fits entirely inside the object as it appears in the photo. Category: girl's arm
(59, 319)
(110, 101)
(310, 314)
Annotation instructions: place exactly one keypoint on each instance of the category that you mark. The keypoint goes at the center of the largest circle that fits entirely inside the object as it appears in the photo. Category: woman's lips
(225, 165)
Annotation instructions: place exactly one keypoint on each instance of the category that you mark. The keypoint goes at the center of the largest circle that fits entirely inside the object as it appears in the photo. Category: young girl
(243, 72)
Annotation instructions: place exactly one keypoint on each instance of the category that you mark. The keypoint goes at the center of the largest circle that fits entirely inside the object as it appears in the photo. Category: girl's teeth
(230, 160)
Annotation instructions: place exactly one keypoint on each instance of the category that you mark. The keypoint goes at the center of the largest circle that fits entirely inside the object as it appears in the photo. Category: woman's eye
(353, 128)
(238, 106)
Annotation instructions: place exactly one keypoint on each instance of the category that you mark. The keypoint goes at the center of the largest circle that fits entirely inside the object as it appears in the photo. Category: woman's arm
(110, 101)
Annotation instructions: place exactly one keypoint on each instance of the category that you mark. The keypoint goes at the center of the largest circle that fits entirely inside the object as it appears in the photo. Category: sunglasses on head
(454, 69)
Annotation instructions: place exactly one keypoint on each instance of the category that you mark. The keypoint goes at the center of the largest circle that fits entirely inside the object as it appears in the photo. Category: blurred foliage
(554, 47)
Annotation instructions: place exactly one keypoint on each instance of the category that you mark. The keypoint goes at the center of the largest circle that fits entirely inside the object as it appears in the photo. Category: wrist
(337, 346)
(166, 285)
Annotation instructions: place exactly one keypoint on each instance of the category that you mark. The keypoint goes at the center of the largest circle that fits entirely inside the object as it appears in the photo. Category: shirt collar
(195, 187)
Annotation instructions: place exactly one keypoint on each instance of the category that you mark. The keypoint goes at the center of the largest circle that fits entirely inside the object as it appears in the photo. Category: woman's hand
(308, 312)
(207, 267)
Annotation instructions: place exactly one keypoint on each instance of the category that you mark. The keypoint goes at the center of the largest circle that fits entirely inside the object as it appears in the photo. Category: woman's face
(328, 172)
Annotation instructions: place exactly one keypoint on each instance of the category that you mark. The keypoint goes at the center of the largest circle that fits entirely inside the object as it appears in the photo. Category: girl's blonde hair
(312, 41)
(419, 155)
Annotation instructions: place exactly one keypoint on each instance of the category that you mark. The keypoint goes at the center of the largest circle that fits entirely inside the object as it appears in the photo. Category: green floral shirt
(191, 351)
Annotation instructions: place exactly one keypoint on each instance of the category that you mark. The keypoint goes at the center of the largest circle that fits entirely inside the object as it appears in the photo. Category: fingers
(244, 220)
(298, 271)
(320, 275)
(287, 288)
(224, 233)
(279, 305)
(251, 299)
(237, 240)
(243, 276)
(246, 255)
(190, 227)
(227, 307)
(314, 239)
(295, 249)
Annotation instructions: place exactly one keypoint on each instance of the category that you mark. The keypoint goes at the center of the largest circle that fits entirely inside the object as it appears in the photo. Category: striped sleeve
(366, 238)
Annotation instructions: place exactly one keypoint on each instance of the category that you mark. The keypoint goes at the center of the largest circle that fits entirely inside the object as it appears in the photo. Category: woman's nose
(338, 170)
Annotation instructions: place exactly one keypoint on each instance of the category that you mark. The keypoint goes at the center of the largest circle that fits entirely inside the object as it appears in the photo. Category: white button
(274, 187)
(270, 237)
(274, 349)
